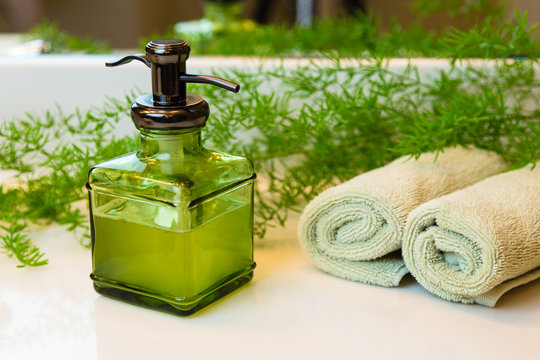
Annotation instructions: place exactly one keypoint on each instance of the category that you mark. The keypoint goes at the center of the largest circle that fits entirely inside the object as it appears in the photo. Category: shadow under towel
(477, 243)
(354, 230)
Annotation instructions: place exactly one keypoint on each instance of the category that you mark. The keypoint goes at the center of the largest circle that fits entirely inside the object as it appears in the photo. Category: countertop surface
(290, 310)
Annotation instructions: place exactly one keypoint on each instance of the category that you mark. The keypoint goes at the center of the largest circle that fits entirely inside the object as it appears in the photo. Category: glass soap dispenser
(171, 224)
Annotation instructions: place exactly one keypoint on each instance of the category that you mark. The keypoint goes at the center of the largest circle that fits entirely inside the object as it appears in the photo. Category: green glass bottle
(172, 224)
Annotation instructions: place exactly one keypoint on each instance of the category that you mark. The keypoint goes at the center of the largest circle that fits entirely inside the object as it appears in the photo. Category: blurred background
(122, 23)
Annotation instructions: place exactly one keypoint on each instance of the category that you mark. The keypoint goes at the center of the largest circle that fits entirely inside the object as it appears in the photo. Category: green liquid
(177, 265)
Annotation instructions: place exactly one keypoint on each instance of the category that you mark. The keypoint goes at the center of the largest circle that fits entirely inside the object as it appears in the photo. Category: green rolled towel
(354, 230)
(477, 243)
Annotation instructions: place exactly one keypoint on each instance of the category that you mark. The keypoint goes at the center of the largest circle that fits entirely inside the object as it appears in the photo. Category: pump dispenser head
(170, 106)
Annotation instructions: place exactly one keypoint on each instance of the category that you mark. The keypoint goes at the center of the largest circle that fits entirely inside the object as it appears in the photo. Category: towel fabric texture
(353, 230)
(477, 243)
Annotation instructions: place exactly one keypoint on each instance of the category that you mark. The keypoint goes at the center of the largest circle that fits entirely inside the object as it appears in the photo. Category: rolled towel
(477, 243)
(354, 229)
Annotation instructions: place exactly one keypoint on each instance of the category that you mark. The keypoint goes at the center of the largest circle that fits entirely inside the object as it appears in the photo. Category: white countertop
(289, 311)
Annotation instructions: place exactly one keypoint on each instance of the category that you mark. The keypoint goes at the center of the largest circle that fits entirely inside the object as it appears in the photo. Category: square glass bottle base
(170, 305)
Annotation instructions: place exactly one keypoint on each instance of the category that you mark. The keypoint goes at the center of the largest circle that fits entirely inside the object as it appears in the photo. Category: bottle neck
(170, 144)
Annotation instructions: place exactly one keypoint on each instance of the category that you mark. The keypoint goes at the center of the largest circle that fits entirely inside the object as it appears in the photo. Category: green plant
(61, 42)
(345, 35)
(489, 39)
(460, 8)
(51, 156)
(362, 36)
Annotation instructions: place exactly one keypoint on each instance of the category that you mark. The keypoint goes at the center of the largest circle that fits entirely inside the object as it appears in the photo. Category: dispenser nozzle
(206, 79)
(167, 60)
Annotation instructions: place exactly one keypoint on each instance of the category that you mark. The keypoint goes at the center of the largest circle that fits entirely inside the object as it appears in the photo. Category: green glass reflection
(172, 224)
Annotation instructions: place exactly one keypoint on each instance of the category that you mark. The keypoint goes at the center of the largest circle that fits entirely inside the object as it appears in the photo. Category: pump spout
(206, 79)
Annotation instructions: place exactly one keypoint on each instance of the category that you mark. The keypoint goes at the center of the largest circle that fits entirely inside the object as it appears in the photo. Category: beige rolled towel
(354, 229)
(477, 243)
